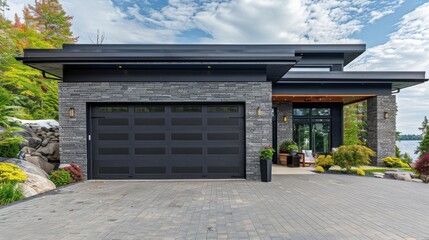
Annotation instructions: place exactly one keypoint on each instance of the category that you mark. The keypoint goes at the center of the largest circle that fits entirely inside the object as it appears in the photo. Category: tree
(351, 128)
(424, 126)
(99, 38)
(423, 148)
(3, 6)
(45, 25)
(50, 20)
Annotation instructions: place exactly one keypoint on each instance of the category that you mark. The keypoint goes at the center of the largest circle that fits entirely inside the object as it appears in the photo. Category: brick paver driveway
(291, 207)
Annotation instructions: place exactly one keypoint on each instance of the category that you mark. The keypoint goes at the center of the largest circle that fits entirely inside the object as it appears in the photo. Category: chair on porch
(307, 158)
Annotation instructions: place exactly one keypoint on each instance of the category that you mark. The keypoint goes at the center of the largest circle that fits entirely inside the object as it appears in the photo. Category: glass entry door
(312, 129)
(321, 132)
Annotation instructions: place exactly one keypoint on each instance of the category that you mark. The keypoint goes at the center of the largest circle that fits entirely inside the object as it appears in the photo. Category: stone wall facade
(284, 130)
(381, 130)
(77, 95)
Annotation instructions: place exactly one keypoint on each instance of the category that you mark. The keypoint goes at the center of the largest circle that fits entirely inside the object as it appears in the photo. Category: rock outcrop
(42, 146)
(38, 183)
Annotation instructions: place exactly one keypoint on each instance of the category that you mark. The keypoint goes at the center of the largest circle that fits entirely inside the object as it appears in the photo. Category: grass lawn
(369, 169)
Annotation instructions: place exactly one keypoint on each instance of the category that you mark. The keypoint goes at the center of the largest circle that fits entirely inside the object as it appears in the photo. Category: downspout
(398, 90)
(51, 78)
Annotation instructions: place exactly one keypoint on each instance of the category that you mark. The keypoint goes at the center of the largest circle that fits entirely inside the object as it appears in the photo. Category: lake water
(408, 147)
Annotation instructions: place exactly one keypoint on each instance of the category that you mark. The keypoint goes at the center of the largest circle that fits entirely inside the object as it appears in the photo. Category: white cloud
(407, 50)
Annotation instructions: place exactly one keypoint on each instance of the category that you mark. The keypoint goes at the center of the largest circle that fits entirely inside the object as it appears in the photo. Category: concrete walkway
(283, 170)
(291, 207)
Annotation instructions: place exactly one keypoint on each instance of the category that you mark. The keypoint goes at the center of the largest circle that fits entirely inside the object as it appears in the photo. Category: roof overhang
(395, 79)
(275, 59)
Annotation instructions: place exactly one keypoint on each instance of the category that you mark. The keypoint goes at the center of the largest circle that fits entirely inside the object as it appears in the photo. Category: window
(149, 109)
(301, 112)
(222, 109)
(320, 111)
(186, 109)
(111, 109)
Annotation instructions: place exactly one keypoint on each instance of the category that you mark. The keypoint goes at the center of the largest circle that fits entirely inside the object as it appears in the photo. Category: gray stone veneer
(381, 131)
(284, 130)
(73, 132)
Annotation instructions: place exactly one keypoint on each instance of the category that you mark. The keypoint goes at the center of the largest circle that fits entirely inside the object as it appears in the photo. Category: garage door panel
(168, 141)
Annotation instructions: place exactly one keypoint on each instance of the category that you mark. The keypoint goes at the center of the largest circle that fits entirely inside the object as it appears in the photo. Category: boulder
(38, 183)
(25, 132)
(28, 150)
(416, 180)
(402, 176)
(51, 151)
(378, 174)
(27, 190)
(27, 167)
(41, 163)
(45, 142)
(407, 177)
(33, 142)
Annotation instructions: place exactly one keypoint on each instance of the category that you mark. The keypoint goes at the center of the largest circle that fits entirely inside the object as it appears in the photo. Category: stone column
(284, 130)
(382, 127)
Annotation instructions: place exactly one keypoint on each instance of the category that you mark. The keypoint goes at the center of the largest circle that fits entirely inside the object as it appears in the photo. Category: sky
(396, 31)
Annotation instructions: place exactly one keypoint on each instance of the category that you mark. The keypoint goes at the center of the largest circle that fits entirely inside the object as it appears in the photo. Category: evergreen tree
(423, 148)
(424, 126)
(50, 20)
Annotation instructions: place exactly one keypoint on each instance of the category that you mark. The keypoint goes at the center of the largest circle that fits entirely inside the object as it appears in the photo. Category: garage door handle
(97, 117)
(235, 117)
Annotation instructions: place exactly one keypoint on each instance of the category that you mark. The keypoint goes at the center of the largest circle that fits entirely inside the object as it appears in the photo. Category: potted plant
(284, 151)
(266, 157)
(284, 147)
(293, 149)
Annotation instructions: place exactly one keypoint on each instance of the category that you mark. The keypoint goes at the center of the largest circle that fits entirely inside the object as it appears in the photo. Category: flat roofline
(397, 79)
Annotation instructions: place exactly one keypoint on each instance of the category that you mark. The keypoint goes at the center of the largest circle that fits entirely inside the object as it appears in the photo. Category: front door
(312, 129)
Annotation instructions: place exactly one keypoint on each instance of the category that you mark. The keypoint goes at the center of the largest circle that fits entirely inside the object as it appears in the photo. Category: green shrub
(10, 192)
(352, 156)
(60, 177)
(11, 172)
(9, 144)
(325, 161)
(285, 146)
(266, 153)
(360, 171)
(319, 169)
(394, 162)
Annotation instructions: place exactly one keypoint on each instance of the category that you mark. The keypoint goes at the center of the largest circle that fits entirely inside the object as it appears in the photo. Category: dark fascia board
(270, 56)
(399, 80)
(224, 52)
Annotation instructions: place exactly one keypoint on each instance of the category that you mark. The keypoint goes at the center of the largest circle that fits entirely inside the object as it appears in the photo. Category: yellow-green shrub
(319, 169)
(360, 171)
(11, 172)
(394, 162)
(325, 161)
(352, 156)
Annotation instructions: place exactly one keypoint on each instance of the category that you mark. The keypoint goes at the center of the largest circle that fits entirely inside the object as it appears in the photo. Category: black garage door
(167, 141)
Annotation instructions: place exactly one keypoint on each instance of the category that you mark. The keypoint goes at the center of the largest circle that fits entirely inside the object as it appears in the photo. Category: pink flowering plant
(266, 153)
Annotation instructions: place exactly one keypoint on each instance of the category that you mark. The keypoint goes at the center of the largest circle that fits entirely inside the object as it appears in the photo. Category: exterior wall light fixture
(284, 119)
(386, 115)
(72, 113)
(258, 112)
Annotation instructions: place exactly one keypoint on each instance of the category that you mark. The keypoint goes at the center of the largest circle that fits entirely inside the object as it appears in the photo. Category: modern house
(203, 111)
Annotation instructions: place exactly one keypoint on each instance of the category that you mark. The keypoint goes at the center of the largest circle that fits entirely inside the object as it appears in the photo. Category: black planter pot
(266, 166)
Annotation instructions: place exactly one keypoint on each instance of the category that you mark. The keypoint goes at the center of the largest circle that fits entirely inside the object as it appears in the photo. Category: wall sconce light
(284, 119)
(386, 115)
(71, 112)
(258, 112)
